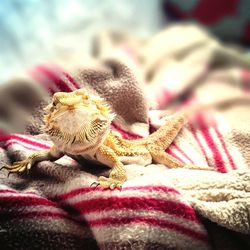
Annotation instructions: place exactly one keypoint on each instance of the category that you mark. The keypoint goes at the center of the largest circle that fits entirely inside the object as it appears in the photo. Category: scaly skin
(79, 124)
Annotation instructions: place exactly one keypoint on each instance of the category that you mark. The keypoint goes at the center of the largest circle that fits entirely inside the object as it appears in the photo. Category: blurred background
(32, 31)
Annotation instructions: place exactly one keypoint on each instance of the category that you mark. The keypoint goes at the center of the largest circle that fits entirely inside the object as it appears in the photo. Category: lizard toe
(18, 167)
(109, 183)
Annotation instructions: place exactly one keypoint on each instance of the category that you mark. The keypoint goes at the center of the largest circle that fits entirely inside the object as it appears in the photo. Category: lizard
(78, 124)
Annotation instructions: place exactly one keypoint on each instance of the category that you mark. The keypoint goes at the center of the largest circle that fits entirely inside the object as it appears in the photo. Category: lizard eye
(55, 102)
(53, 105)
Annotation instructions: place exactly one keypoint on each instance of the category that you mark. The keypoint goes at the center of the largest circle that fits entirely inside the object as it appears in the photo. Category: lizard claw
(18, 167)
(9, 174)
(96, 184)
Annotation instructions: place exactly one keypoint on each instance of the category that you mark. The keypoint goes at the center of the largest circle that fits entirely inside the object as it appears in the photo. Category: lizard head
(77, 117)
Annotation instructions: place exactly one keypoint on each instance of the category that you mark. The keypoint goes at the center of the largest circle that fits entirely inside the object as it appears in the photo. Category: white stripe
(224, 129)
(65, 160)
(179, 154)
(32, 139)
(21, 146)
(206, 148)
(24, 195)
(221, 123)
(46, 81)
(113, 213)
(2, 186)
(146, 233)
(58, 73)
(15, 143)
(67, 82)
(240, 162)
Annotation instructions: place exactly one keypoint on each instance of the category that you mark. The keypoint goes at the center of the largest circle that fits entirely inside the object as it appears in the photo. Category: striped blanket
(54, 207)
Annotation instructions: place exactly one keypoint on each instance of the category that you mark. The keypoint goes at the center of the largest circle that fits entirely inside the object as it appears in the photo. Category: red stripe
(7, 145)
(85, 190)
(8, 191)
(11, 203)
(125, 134)
(173, 144)
(107, 221)
(71, 79)
(230, 159)
(181, 151)
(25, 140)
(164, 97)
(218, 160)
(169, 151)
(54, 78)
(67, 75)
(35, 74)
(136, 203)
(192, 129)
(4, 137)
(150, 221)
(20, 201)
(245, 80)
(2, 133)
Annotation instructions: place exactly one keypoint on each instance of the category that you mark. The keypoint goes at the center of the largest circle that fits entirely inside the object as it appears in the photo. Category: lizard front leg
(21, 166)
(117, 176)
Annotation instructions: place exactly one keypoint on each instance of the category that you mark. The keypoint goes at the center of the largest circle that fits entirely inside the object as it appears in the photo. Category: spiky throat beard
(76, 126)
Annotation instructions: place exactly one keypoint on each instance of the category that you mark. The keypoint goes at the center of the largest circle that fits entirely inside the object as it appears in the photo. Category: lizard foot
(105, 182)
(18, 167)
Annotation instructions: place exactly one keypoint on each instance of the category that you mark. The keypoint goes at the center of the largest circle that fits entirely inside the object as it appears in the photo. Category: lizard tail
(165, 135)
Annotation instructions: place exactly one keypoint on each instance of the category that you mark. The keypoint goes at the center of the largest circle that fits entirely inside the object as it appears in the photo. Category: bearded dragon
(79, 125)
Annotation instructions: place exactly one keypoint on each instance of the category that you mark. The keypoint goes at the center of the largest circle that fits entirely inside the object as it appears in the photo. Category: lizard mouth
(83, 135)
(72, 127)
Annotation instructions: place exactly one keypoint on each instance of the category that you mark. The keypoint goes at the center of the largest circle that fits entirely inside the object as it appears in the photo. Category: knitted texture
(54, 207)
